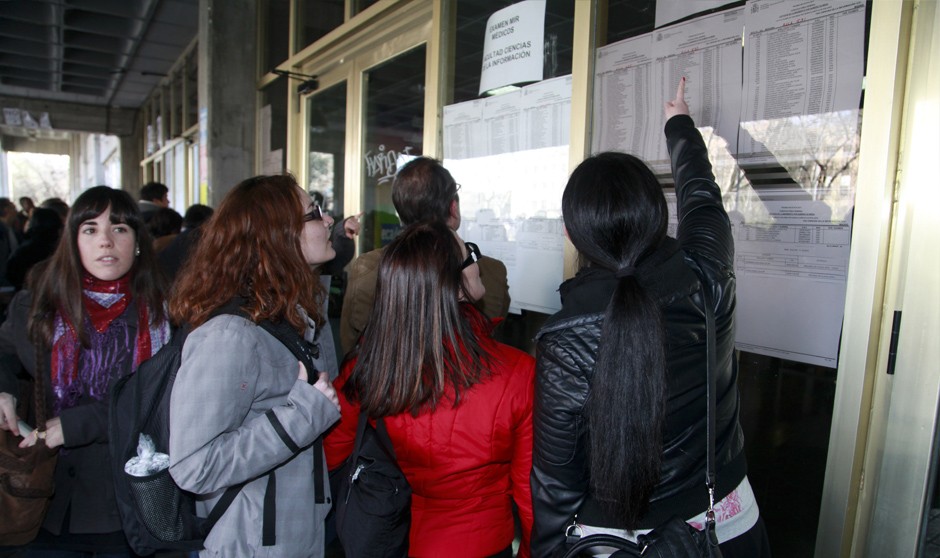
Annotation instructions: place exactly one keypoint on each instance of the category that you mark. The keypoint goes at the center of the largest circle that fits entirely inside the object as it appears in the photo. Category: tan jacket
(360, 293)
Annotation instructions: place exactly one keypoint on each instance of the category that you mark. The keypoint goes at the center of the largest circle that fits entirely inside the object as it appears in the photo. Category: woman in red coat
(460, 420)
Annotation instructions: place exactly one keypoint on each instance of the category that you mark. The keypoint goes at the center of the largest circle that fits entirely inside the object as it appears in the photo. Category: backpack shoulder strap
(304, 352)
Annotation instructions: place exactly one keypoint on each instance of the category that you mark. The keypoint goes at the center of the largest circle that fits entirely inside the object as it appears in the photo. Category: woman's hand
(52, 435)
(326, 388)
(323, 385)
(677, 105)
(351, 226)
(8, 418)
(302, 375)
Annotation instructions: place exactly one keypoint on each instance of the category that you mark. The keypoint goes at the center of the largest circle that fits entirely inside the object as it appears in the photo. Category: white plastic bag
(148, 460)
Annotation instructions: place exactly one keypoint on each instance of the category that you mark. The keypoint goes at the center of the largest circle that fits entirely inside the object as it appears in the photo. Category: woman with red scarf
(91, 314)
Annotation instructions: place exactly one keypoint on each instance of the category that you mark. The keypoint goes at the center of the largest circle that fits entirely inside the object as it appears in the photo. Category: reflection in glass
(327, 155)
(316, 18)
(272, 126)
(360, 5)
(818, 151)
(629, 18)
(275, 15)
(393, 135)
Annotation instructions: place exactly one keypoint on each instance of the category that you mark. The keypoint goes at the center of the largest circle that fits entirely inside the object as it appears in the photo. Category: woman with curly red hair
(242, 410)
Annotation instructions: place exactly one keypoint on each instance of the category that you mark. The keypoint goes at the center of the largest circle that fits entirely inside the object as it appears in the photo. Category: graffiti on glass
(383, 165)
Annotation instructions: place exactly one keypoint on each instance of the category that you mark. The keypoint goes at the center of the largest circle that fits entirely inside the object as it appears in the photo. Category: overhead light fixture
(309, 83)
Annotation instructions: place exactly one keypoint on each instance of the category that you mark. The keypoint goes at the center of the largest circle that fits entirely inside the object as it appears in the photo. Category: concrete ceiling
(108, 53)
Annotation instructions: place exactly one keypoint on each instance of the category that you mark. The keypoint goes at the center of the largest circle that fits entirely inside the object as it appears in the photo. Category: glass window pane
(192, 89)
(629, 18)
(393, 134)
(272, 124)
(327, 156)
(317, 18)
(275, 16)
(360, 5)
(471, 31)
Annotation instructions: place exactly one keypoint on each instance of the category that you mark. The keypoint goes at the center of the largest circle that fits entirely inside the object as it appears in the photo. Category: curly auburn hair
(251, 248)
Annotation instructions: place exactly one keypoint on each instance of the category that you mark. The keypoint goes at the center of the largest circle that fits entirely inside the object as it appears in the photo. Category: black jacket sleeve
(14, 343)
(704, 227)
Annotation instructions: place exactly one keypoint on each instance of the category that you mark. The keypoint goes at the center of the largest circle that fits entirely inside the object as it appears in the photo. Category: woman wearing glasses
(457, 405)
(243, 408)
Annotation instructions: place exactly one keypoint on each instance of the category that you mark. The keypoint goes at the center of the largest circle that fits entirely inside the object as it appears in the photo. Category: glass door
(906, 517)
(393, 135)
(326, 148)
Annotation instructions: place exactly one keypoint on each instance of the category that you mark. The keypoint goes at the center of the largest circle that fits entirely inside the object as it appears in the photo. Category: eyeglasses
(315, 214)
(473, 255)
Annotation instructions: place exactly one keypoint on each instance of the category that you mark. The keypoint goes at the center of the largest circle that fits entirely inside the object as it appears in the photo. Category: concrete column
(131, 154)
(227, 76)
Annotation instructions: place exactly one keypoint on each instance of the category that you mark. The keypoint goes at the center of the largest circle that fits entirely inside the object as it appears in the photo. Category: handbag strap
(712, 386)
(380, 431)
(39, 390)
(623, 546)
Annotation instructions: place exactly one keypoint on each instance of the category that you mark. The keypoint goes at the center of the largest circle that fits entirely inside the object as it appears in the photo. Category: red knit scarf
(66, 347)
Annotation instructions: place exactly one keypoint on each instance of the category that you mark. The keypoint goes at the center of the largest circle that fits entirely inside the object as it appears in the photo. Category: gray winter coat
(232, 374)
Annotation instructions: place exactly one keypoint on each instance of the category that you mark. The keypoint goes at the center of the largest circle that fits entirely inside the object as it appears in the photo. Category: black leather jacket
(567, 347)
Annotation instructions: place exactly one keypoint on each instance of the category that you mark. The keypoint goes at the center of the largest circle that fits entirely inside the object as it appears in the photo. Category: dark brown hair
(423, 190)
(420, 340)
(57, 284)
(251, 248)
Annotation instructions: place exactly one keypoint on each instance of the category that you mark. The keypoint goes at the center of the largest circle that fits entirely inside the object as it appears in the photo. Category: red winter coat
(464, 464)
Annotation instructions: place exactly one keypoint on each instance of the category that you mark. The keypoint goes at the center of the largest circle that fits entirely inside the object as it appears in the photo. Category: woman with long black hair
(620, 421)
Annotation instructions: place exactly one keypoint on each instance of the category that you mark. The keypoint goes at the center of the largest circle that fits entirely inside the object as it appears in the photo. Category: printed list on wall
(509, 153)
(789, 115)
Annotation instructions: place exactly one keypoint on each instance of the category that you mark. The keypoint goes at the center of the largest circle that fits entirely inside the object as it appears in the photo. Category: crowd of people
(602, 431)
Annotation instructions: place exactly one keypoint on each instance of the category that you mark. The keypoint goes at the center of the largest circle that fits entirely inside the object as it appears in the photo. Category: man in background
(153, 196)
(423, 191)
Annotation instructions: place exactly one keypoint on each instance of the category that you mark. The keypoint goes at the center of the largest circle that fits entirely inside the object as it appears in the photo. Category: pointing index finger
(680, 91)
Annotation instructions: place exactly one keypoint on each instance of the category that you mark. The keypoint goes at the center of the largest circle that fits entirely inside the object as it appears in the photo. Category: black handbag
(372, 497)
(674, 538)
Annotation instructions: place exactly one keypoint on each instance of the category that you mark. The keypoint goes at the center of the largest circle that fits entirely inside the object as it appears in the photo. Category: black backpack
(156, 514)
(372, 497)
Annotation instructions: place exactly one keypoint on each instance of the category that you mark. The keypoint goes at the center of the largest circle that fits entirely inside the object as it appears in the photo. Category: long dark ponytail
(615, 214)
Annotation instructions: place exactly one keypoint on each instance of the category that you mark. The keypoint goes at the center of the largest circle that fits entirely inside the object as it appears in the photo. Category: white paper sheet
(273, 162)
(511, 207)
(546, 111)
(801, 58)
(509, 153)
(463, 130)
(635, 76)
(622, 105)
(264, 125)
(707, 51)
(791, 264)
(502, 123)
(513, 45)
